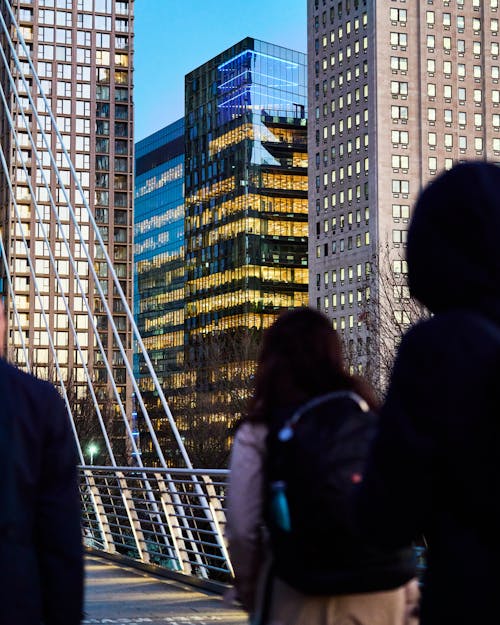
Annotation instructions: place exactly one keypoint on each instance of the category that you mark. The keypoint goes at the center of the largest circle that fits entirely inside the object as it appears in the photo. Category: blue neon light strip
(267, 56)
(256, 93)
(281, 81)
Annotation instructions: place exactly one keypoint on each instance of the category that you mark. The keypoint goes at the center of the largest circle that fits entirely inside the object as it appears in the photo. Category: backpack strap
(287, 431)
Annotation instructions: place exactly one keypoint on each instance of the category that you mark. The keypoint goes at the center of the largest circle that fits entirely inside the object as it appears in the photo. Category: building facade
(246, 214)
(82, 52)
(159, 272)
(398, 91)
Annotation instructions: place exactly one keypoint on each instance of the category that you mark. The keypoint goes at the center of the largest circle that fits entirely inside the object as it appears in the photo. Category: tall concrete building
(246, 214)
(398, 91)
(82, 52)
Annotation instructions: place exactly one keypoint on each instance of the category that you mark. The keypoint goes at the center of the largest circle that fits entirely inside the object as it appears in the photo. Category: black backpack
(315, 459)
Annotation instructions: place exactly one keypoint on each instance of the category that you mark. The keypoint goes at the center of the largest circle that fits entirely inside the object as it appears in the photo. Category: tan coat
(250, 557)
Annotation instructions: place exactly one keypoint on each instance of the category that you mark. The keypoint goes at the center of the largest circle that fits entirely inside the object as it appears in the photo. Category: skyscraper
(82, 52)
(159, 270)
(246, 213)
(398, 91)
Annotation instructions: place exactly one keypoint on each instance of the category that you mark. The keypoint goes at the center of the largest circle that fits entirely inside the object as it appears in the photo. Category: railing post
(178, 542)
(100, 513)
(218, 517)
(135, 524)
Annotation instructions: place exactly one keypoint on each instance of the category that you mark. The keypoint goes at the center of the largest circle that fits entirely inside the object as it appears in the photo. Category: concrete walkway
(119, 595)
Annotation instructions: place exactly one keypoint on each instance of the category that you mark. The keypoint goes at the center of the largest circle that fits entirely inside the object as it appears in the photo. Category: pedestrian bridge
(155, 543)
(165, 522)
(121, 595)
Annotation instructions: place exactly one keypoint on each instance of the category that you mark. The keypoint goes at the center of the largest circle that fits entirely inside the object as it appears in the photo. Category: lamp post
(92, 449)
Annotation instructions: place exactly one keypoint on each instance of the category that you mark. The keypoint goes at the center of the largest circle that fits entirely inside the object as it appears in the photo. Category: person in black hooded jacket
(434, 468)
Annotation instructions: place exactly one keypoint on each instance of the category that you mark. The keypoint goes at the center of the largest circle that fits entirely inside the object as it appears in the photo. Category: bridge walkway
(120, 595)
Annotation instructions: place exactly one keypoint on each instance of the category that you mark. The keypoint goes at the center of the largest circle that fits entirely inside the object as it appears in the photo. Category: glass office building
(246, 213)
(159, 269)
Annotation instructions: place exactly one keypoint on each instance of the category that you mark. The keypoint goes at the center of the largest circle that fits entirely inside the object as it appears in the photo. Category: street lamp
(92, 449)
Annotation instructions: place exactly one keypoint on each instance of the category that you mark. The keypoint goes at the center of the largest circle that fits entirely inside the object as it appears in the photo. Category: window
(399, 112)
(399, 236)
(400, 137)
(400, 211)
(398, 15)
(399, 39)
(399, 63)
(400, 186)
(399, 88)
(400, 161)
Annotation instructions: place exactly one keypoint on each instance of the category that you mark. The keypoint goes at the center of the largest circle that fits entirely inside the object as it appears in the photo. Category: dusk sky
(173, 37)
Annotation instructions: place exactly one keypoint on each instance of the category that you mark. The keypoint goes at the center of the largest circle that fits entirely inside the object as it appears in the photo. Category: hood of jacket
(454, 240)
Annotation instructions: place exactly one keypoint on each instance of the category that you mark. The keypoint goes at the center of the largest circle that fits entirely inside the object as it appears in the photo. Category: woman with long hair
(301, 359)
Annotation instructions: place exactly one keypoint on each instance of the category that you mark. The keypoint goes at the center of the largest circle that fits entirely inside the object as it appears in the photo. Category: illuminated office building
(398, 91)
(159, 269)
(246, 212)
(82, 52)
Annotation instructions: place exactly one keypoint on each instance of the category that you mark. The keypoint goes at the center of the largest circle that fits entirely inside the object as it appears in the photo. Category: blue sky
(172, 37)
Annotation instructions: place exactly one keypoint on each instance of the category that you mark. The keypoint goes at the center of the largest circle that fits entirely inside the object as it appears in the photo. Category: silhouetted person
(301, 360)
(41, 565)
(434, 469)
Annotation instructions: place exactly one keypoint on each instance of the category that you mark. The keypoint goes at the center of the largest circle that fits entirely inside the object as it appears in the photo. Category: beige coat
(249, 555)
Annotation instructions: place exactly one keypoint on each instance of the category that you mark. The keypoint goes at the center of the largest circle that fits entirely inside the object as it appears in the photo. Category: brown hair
(301, 358)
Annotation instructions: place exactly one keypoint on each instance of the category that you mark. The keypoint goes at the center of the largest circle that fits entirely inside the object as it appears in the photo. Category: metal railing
(173, 518)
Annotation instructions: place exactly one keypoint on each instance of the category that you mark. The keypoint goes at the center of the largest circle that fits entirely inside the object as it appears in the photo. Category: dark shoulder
(437, 331)
(456, 342)
(28, 385)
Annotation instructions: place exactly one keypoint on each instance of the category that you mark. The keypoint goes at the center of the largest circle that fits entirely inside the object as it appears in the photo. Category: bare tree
(220, 369)
(387, 315)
